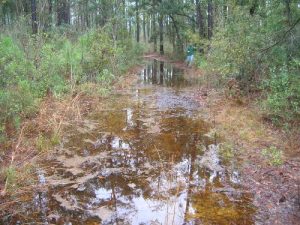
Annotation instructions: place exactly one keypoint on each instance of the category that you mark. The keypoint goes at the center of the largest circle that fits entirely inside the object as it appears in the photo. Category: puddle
(163, 74)
(145, 158)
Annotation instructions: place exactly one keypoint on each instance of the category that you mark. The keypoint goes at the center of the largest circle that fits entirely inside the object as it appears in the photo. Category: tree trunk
(59, 12)
(288, 11)
(193, 24)
(200, 22)
(48, 22)
(130, 27)
(161, 35)
(50, 10)
(144, 27)
(209, 19)
(63, 12)
(154, 33)
(137, 21)
(34, 17)
(289, 20)
(86, 14)
(68, 12)
(225, 14)
(26, 7)
(179, 42)
(148, 27)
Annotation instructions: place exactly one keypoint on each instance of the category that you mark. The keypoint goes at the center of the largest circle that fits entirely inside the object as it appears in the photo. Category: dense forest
(52, 49)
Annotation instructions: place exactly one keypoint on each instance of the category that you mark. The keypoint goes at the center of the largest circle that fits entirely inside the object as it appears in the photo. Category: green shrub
(283, 98)
(16, 102)
(247, 46)
(235, 48)
(13, 64)
(33, 66)
(105, 77)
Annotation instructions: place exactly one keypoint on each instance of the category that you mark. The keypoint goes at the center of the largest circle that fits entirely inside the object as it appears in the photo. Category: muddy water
(146, 157)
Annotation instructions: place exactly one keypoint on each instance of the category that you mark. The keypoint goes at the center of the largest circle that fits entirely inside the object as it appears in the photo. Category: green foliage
(105, 77)
(44, 143)
(16, 178)
(201, 61)
(13, 65)
(246, 46)
(283, 99)
(32, 67)
(273, 155)
(10, 176)
(235, 48)
(16, 102)
(98, 53)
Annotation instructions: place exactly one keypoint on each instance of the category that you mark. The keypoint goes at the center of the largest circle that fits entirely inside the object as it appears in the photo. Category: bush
(238, 58)
(283, 98)
(17, 102)
(33, 66)
(13, 64)
(246, 46)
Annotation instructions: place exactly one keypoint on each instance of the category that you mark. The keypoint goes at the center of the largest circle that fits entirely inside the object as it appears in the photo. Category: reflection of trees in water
(159, 72)
(154, 73)
(154, 166)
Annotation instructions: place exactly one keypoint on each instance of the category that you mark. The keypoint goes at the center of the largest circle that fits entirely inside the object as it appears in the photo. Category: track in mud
(147, 157)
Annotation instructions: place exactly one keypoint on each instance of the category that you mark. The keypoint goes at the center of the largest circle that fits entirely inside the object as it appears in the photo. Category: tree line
(144, 20)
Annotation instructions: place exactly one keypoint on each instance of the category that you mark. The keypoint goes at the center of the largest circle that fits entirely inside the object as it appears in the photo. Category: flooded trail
(145, 157)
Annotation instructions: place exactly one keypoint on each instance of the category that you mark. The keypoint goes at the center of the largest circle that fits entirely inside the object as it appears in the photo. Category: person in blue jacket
(190, 54)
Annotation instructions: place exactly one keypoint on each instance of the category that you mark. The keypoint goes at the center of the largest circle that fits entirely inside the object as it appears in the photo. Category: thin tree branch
(282, 38)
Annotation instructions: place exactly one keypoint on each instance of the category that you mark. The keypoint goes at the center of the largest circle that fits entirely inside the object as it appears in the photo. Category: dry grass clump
(243, 124)
(38, 136)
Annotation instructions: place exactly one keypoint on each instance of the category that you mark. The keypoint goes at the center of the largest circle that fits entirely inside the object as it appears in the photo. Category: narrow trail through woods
(149, 154)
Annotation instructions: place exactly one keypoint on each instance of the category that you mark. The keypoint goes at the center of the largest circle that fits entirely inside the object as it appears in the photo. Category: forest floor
(239, 124)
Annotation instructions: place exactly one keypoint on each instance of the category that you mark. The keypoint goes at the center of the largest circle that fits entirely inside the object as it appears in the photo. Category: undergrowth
(32, 67)
(246, 63)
